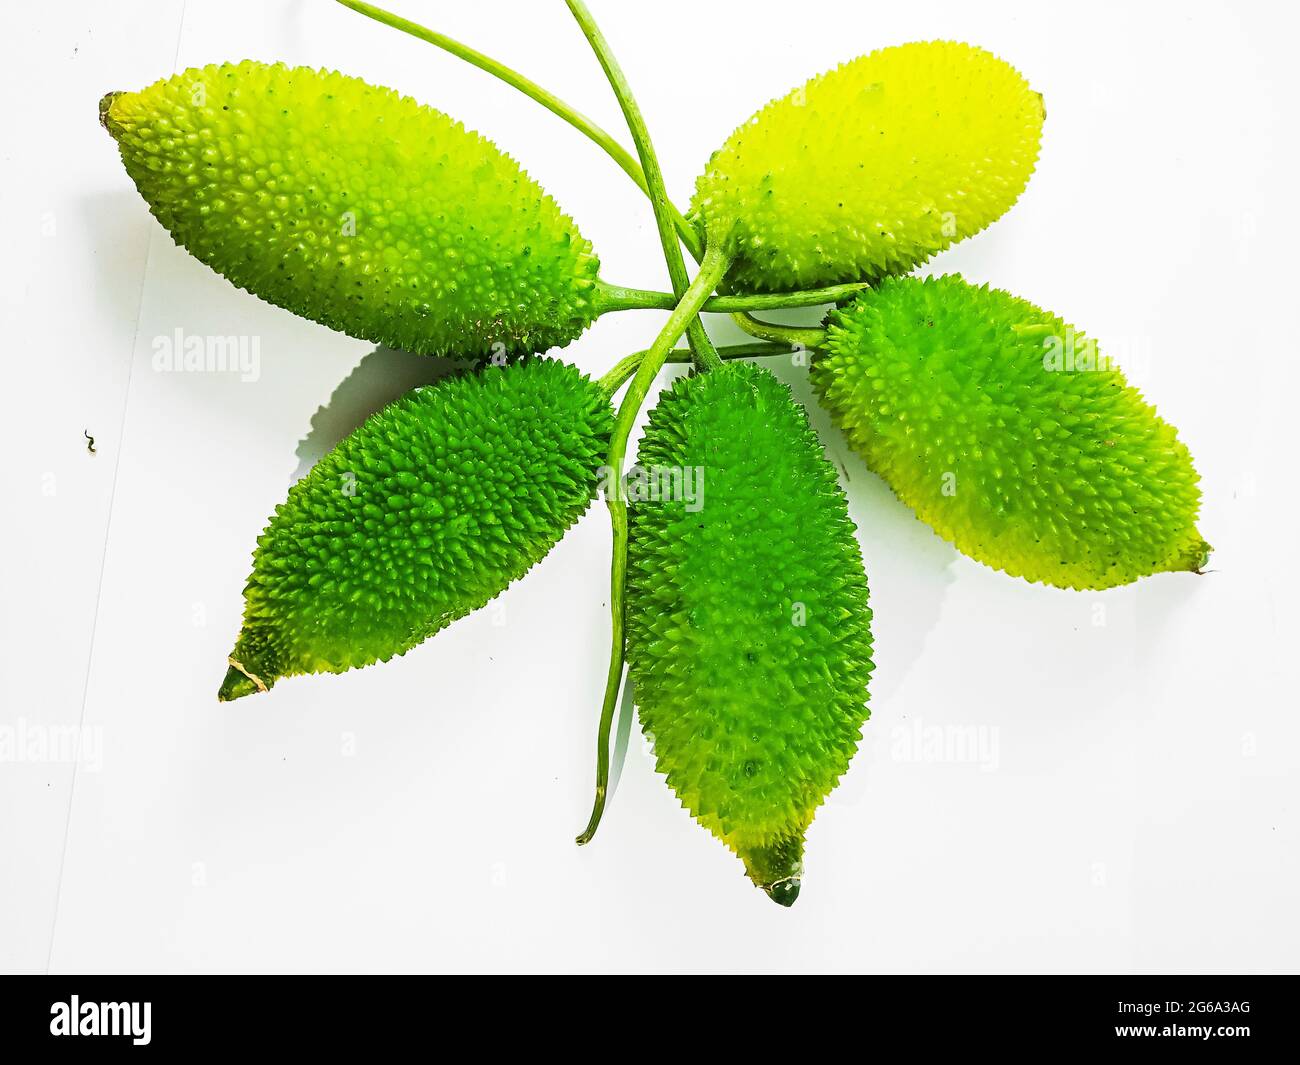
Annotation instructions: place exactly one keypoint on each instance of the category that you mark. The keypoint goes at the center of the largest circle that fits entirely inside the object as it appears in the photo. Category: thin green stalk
(656, 189)
(793, 335)
(706, 358)
(690, 236)
(625, 368)
(530, 88)
(711, 272)
(622, 298)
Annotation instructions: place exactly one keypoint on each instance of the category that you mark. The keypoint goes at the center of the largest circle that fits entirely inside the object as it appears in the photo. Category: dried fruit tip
(1198, 557)
(105, 105)
(783, 892)
(238, 684)
(777, 868)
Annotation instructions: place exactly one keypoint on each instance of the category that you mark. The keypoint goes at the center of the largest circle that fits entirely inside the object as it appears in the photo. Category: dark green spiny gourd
(356, 207)
(748, 631)
(1009, 433)
(423, 514)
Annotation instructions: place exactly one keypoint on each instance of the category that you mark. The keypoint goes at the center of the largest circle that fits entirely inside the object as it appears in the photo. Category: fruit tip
(783, 892)
(106, 105)
(777, 868)
(1198, 557)
(237, 684)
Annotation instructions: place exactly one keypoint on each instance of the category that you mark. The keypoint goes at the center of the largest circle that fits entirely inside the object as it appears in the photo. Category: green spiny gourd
(748, 630)
(871, 168)
(1009, 434)
(356, 207)
(423, 514)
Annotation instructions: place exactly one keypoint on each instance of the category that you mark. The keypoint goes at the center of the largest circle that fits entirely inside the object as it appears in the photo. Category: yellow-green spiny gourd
(423, 514)
(1010, 434)
(871, 168)
(356, 207)
(748, 630)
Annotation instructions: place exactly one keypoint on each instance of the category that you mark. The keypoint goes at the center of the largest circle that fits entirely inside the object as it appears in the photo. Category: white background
(1134, 806)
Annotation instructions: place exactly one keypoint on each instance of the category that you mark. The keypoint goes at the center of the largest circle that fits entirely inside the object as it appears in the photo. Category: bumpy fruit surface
(426, 512)
(871, 168)
(356, 207)
(1010, 434)
(748, 631)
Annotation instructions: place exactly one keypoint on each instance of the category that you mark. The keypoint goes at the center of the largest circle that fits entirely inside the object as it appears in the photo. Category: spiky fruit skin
(748, 630)
(989, 417)
(356, 207)
(871, 168)
(423, 514)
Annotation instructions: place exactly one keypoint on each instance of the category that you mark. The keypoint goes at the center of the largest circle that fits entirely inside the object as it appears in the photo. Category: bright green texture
(871, 168)
(426, 512)
(990, 418)
(748, 631)
(358, 208)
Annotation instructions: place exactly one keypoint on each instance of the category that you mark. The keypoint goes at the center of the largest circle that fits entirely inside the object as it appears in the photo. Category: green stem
(706, 355)
(625, 368)
(793, 335)
(690, 236)
(530, 88)
(711, 272)
(622, 298)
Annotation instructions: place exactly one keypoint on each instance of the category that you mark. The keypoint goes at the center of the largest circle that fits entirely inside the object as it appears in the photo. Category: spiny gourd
(748, 631)
(356, 207)
(1008, 433)
(423, 514)
(871, 168)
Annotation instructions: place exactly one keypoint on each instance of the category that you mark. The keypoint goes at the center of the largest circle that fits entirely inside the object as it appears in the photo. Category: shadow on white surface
(381, 377)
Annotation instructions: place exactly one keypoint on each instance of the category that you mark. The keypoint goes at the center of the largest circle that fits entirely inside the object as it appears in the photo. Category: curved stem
(691, 297)
(793, 335)
(656, 189)
(549, 100)
(622, 298)
(625, 368)
(711, 272)
(613, 678)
